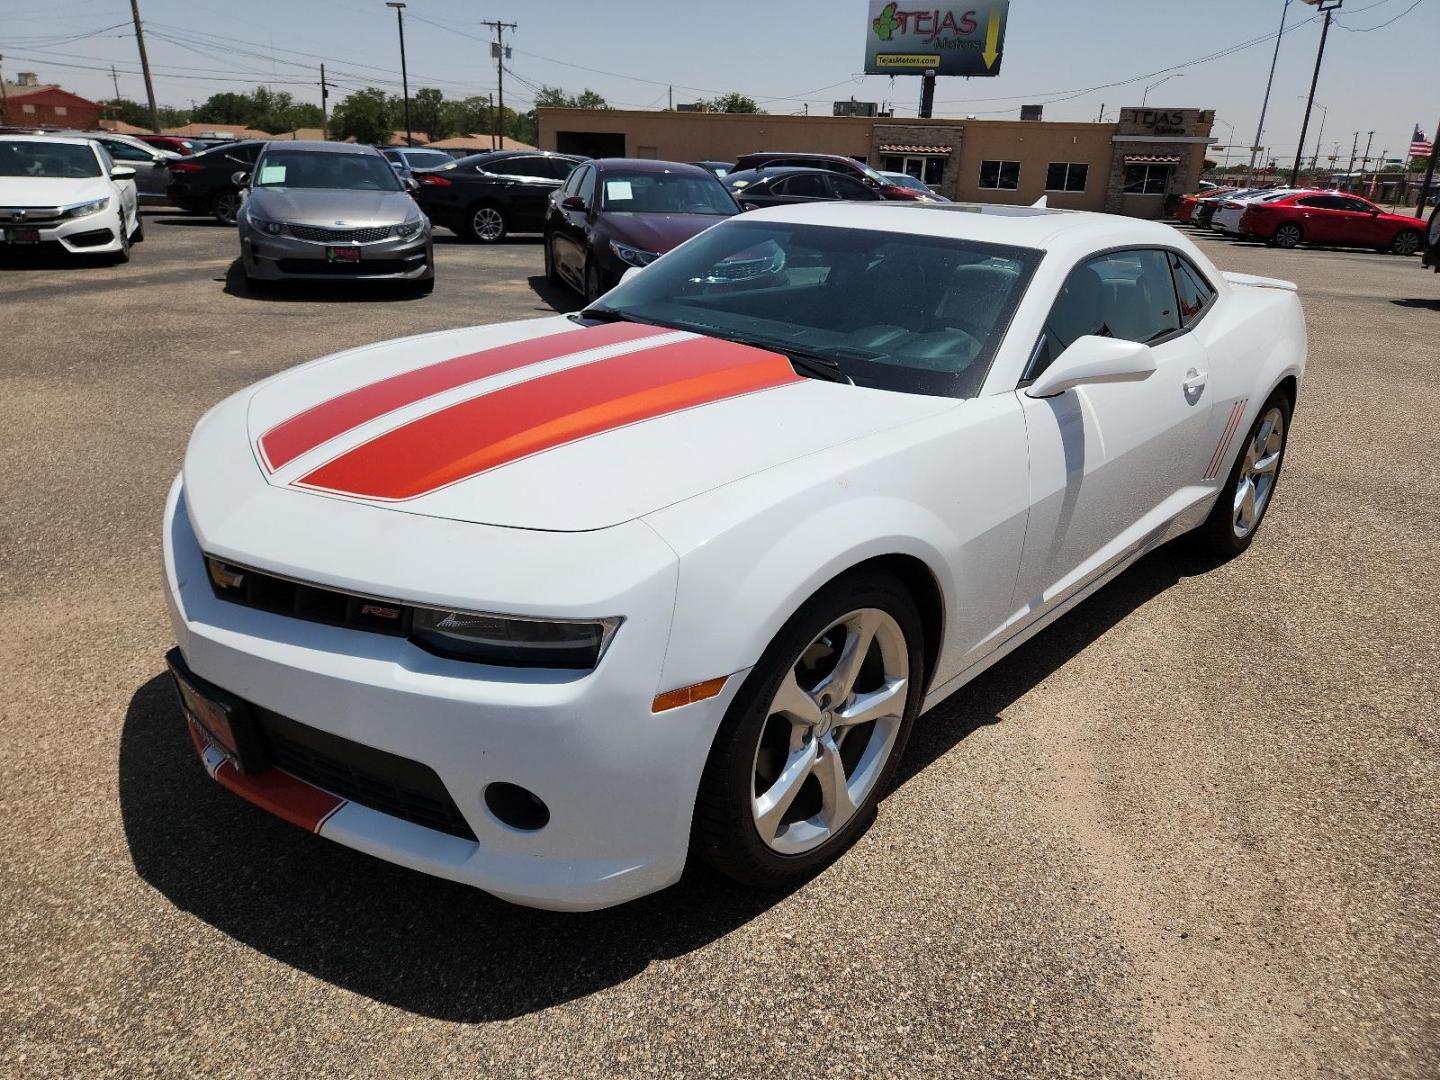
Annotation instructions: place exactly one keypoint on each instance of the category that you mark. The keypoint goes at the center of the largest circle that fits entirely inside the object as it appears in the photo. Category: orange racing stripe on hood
(318, 424)
(517, 421)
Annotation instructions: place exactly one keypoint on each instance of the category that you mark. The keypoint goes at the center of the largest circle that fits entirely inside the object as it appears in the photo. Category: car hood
(51, 191)
(658, 232)
(542, 424)
(330, 207)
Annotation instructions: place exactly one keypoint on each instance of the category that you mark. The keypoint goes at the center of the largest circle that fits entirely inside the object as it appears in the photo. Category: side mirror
(240, 178)
(1090, 360)
(411, 184)
(121, 172)
(573, 202)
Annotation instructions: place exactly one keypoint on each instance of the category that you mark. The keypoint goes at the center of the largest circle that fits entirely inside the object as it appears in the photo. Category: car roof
(1036, 227)
(648, 165)
(69, 140)
(320, 147)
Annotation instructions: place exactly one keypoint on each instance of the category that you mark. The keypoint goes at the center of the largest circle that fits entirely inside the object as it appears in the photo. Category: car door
(1320, 219)
(1113, 463)
(1363, 224)
(852, 190)
(572, 225)
(152, 174)
(527, 183)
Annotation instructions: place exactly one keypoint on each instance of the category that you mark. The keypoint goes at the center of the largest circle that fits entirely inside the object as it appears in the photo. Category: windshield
(69, 161)
(922, 314)
(906, 180)
(331, 171)
(871, 172)
(429, 159)
(664, 193)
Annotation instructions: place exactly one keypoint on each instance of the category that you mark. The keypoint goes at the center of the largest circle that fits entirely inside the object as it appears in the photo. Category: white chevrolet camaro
(550, 607)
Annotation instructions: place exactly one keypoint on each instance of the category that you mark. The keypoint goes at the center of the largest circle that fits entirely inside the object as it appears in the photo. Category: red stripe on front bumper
(281, 794)
(482, 433)
(303, 432)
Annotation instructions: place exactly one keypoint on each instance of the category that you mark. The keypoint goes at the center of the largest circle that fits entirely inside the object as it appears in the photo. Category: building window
(27, 108)
(1146, 179)
(1066, 176)
(930, 169)
(60, 110)
(1000, 175)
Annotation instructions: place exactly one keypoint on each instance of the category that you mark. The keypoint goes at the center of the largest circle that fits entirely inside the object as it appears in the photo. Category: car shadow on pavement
(448, 951)
(562, 299)
(1418, 302)
(324, 292)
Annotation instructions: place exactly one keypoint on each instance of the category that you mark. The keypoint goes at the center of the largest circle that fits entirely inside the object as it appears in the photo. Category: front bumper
(284, 258)
(619, 781)
(89, 235)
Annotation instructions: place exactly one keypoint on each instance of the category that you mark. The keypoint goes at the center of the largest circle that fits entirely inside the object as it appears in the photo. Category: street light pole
(1329, 7)
(1324, 114)
(1264, 105)
(404, 76)
(1146, 96)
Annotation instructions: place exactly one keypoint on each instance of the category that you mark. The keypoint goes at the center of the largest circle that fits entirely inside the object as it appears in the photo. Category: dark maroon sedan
(616, 213)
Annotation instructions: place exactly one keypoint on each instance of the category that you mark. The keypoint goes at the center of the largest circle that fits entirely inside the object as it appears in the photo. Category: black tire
(1407, 242)
(1217, 535)
(225, 206)
(138, 236)
(486, 223)
(1287, 235)
(123, 255)
(593, 288)
(552, 274)
(724, 833)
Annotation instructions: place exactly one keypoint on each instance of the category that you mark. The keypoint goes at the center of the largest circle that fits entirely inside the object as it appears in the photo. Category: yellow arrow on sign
(992, 39)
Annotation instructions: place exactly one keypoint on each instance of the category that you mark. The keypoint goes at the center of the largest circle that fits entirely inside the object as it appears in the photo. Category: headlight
(633, 256)
(406, 229)
(506, 641)
(88, 208)
(270, 228)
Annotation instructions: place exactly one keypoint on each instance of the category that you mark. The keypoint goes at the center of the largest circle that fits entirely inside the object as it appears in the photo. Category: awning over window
(1152, 159)
(898, 148)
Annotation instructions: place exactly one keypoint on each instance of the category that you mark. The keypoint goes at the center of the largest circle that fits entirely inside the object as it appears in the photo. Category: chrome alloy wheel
(488, 223)
(830, 731)
(1258, 471)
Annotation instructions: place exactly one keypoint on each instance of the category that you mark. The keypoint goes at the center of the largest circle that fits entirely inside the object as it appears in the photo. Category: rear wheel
(1287, 235)
(226, 207)
(812, 740)
(1406, 242)
(1238, 512)
(486, 224)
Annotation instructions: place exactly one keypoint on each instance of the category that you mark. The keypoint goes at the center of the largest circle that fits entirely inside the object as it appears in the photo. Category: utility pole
(1329, 7)
(324, 105)
(1100, 117)
(1429, 174)
(1365, 161)
(4, 97)
(145, 67)
(1264, 105)
(1324, 114)
(493, 144)
(404, 76)
(1354, 147)
(498, 50)
(115, 81)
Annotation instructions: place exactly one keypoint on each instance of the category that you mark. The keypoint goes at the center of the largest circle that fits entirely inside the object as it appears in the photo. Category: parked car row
(1288, 217)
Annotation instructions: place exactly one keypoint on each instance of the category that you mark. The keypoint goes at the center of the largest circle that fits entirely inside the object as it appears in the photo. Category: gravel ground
(1190, 831)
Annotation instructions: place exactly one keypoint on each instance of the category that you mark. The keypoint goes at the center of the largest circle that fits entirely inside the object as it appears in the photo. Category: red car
(1185, 209)
(169, 142)
(836, 163)
(1331, 217)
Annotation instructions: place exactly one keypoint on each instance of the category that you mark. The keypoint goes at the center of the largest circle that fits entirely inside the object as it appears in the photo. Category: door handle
(1194, 385)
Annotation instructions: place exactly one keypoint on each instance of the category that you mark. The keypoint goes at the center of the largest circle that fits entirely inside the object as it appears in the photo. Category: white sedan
(1232, 207)
(550, 607)
(66, 192)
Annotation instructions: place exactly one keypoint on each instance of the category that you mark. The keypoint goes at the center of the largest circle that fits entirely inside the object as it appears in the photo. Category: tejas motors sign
(958, 39)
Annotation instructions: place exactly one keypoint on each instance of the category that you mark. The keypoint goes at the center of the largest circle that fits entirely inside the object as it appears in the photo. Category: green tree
(589, 99)
(134, 112)
(466, 116)
(364, 116)
(733, 102)
(224, 108)
(552, 97)
(428, 114)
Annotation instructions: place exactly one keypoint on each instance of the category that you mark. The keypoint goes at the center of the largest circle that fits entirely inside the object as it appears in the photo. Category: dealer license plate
(22, 236)
(342, 254)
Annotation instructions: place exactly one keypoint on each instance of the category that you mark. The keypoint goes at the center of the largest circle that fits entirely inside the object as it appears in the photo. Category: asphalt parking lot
(1190, 831)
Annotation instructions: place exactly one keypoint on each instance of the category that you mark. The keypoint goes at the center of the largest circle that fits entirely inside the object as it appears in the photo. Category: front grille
(241, 585)
(364, 268)
(29, 215)
(319, 235)
(382, 781)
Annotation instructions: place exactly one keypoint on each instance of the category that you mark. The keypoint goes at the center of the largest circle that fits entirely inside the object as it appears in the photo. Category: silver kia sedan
(319, 211)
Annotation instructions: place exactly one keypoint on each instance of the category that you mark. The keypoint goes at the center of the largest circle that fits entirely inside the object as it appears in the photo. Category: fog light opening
(516, 807)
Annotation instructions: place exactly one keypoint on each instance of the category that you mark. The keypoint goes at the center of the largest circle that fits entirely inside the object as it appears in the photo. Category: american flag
(1420, 146)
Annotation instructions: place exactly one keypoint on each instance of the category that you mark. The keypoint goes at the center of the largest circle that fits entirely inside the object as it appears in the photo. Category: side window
(572, 183)
(803, 186)
(560, 168)
(503, 167)
(847, 187)
(1126, 294)
(121, 151)
(1192, 290)
(587, 186)
(1355, 205)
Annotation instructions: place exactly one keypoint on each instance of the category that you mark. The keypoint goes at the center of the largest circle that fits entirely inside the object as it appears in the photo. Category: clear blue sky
(785, 53)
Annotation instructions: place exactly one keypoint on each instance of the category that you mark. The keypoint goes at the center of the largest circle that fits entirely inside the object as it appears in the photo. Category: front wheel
(593, 289)
(552, 274)
(1287, 235)
(1406, 242)
(123, 255)
(1237, 514)
(812, 740)
(486, 224)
